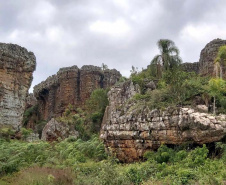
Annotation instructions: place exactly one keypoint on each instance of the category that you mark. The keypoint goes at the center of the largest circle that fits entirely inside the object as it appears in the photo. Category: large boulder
(129, 129)
(16, 70)
(55, 130)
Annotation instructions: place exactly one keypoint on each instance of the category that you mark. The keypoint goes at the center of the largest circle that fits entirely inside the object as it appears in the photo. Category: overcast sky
(119, 33)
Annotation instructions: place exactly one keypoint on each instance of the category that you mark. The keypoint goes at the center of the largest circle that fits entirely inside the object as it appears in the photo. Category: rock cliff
(16, 68)
(71, 85)
(129, 130)
(205, 66)
(207, 57)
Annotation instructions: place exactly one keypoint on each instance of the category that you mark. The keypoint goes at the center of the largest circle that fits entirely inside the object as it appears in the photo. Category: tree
(104, 66)
(134, 71)
(95, 107)
(168, 57)
(217, 87)
(220, 61)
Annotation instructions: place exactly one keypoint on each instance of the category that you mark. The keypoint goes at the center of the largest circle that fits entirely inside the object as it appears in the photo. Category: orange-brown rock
(16, 69)
(73, 86)
(130, 128)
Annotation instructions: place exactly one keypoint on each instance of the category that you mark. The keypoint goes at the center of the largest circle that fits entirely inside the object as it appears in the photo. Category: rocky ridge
(16, 69)
(73, 86)
(128, 131)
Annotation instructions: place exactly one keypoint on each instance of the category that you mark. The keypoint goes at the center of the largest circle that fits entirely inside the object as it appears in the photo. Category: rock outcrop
(73, 86)
(191, 67)
(16, 69)
(54, 130)
(207, 57)
(205, 66)
(129, 129)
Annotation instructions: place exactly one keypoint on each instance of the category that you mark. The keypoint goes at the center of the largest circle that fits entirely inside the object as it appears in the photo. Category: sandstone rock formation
(129, 129)
(54, 130)
(207, 57)
(71, 85)
(205, 66)
(16, 68)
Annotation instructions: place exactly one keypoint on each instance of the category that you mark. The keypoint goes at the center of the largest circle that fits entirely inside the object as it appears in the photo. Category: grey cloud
(59, 33)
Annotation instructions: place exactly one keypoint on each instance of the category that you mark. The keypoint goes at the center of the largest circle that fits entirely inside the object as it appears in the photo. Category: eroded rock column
(16, 69)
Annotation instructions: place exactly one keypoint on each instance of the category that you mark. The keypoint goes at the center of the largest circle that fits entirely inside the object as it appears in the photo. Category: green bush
(134, 175)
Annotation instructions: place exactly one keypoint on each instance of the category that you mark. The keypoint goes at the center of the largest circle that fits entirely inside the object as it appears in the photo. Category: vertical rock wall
(16, 68)
(207, 57)
(71, 85)
(205, 66)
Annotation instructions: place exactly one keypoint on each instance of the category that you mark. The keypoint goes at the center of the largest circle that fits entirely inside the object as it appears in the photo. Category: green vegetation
(174, 87)
(87, 121)
(220, 61)
(168, 57)
(85, 162)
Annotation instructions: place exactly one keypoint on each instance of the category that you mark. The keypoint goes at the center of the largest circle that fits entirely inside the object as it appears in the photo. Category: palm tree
(220, 61)
(168, 57)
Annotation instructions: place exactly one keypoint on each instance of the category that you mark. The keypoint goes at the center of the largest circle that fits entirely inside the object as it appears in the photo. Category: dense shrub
(85, 162)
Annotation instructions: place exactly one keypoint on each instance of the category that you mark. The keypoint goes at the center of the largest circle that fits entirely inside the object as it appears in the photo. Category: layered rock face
(207, 57)
(71, 85)
(129, 129)
(16, 69)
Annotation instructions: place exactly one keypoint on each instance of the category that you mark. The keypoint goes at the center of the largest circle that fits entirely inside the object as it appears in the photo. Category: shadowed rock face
(129, 129)
(71, 85)
(207, 57)
(16, 68)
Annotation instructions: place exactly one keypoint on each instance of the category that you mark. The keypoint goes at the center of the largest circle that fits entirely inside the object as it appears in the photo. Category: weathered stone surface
(16, 68)
(207, 57)
(205, 66)
(202, 108)
(129, 130)
(71, 85)
(191, 67)
(33, 137)
(30, 100)
(54, 130)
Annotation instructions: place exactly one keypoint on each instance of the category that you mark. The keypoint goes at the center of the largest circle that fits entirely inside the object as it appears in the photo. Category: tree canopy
(168, 57)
